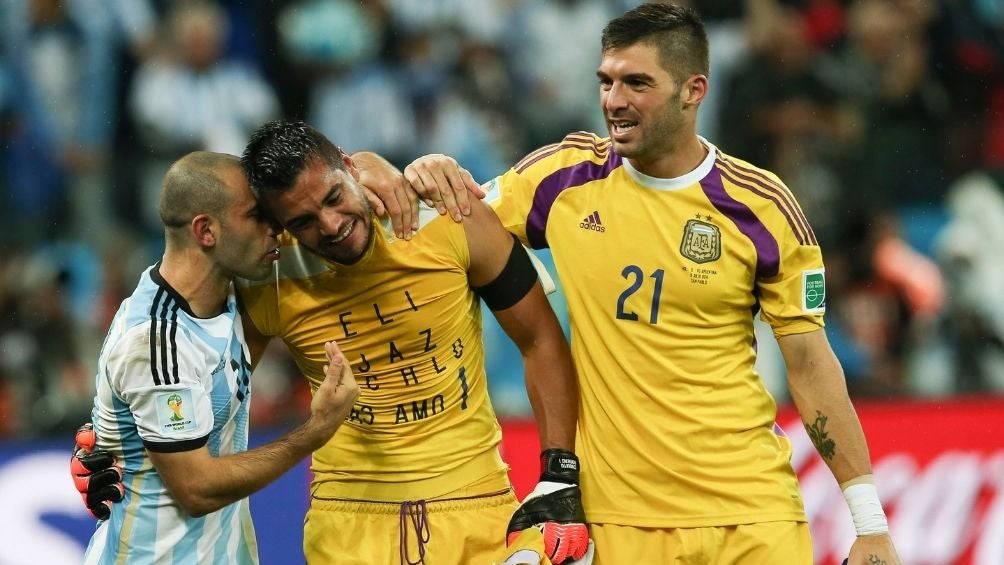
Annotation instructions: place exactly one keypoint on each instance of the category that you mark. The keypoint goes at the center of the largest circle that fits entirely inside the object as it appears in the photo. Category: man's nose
(614, 98)
(330, 222)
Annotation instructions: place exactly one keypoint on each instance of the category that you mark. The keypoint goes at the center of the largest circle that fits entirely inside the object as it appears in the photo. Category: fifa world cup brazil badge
(175, 411)
(702, 242)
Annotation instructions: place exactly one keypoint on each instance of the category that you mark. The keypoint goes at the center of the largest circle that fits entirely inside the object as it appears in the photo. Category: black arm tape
(513, 283)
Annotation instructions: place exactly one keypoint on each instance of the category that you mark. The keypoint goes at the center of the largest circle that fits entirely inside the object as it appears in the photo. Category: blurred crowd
(884, 117)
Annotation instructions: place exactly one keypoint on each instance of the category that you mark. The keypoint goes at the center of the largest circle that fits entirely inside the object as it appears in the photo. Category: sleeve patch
(814, 291)
(175, 412)
(493, 191)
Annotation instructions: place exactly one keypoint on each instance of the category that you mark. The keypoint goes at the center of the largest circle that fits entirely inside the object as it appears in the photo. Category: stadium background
(885, 117)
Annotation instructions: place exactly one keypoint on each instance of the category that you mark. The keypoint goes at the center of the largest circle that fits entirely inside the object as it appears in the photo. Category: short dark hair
(279, 151)
(677, 31)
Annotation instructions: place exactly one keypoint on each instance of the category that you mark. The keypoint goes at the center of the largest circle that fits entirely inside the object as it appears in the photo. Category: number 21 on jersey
(637, 279)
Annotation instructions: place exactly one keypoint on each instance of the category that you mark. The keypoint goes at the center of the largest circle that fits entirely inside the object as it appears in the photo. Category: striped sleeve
(790, 276)
(769, 187)
(163, 379)
(163, 338)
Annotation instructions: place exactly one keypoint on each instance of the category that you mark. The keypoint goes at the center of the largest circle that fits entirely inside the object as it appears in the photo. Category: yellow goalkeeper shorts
(459, 528)
(528, 549)
(763, 543)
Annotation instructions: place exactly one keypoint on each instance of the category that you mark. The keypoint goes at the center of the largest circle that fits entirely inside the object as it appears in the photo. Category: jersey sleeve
(794, 300)
(163, 381)
(511, 196)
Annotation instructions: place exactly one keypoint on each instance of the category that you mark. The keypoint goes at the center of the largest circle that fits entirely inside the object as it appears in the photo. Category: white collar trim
(676, 183)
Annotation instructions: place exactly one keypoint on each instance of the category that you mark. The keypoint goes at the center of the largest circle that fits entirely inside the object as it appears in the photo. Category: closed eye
(298, 224)
(334, 197)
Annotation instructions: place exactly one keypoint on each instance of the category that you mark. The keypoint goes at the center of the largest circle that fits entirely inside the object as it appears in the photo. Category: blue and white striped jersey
(168, 381)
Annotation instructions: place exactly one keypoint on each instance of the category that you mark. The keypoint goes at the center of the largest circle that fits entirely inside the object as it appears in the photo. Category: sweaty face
(248, 241)
(641, 103)
(326, 211)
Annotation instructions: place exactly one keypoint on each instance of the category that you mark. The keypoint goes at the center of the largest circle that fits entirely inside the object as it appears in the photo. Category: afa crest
(702, 242)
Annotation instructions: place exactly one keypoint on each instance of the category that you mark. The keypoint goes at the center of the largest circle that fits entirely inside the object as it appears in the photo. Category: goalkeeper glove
(96, 474)
(555, 508)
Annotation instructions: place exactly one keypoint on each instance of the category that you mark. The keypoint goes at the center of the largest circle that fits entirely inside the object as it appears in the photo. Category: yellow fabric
(527, 549)
(764, 543)
(466, 526)
(676, 429)
(410, 325)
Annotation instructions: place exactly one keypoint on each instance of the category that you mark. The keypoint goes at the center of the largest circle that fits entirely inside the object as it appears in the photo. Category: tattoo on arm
(817, 433)
(875, 560)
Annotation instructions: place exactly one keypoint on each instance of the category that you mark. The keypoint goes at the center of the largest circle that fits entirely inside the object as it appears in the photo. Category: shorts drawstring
(414, 512)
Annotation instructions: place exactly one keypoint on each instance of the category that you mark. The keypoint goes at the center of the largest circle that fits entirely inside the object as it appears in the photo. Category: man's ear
(202, 230)
(694, 90)
(350, 165)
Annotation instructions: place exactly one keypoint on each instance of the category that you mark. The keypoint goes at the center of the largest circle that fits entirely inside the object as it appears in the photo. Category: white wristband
(866, 510)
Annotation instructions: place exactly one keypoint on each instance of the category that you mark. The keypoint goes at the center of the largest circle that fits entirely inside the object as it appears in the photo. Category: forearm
(833, 427)
(203, 483)
(820, 395)
(817, 386)
(553, 392)
(253, 470)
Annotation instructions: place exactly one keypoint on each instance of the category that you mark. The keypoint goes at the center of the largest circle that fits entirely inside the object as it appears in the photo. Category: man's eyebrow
(643, 77)
(307, 215)
(335, 187)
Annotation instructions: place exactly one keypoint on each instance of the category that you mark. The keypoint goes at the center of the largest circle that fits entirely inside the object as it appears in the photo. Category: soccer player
(666, 248)
(418, 458)
(173, 382)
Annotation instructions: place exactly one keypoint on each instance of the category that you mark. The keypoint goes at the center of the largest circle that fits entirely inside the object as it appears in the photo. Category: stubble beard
(343, 256)
(657, 139)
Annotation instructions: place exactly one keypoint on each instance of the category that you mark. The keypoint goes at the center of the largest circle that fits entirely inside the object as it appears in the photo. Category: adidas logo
(592, 222)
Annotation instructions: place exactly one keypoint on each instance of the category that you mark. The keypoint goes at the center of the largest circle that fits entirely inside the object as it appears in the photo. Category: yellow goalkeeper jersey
(662, 279)
(410, 325)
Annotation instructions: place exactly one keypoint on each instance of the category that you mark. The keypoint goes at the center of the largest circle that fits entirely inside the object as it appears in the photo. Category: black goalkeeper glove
(555, 508)
(96, 474)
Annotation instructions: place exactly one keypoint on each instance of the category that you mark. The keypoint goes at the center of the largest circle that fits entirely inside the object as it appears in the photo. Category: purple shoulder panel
(768, 256)
(553, 185)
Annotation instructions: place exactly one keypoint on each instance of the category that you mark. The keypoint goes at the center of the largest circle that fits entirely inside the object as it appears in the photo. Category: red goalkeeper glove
(555, 508)
(96, 474)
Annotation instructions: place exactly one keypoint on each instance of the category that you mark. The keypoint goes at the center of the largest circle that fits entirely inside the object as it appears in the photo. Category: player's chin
(625, 149)
(348, 251)
(345, 255)
(260, 271)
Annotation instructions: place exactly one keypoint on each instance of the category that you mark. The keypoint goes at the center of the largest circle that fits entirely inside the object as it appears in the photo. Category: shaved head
(195, 184)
